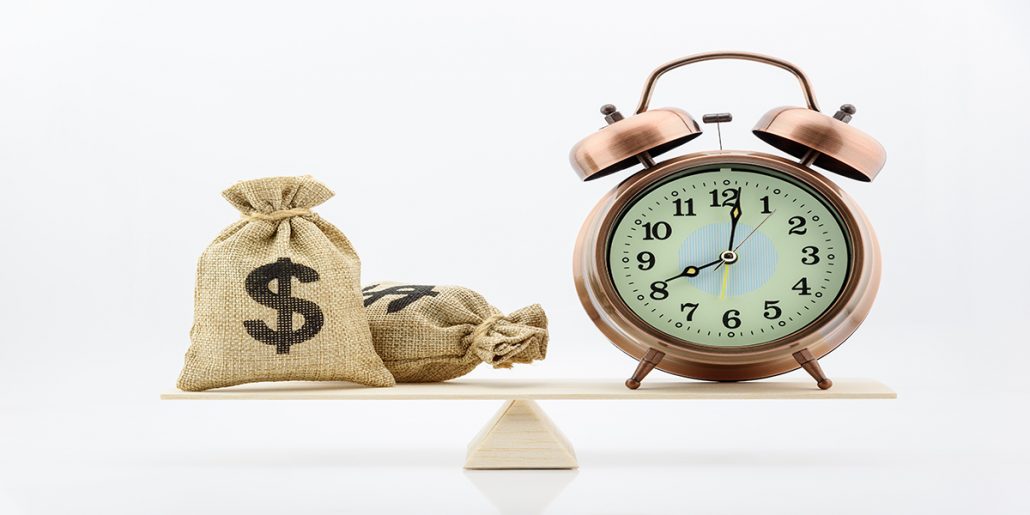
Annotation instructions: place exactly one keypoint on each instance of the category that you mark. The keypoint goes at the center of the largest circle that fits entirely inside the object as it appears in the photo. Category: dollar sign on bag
(408, 295)
(283, 336)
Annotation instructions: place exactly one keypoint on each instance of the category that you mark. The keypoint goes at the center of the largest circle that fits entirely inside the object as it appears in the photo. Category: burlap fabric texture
(278, 296)
(434, 333)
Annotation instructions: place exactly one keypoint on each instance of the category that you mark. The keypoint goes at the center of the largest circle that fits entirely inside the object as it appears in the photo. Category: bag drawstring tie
(275, 216)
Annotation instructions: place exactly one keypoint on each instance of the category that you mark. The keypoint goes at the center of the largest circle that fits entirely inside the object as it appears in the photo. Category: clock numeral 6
(772, 311)
(690, 313)
(802, 287)
(797, 224)
(730, 319)
(657, 231)
(645, 260)
(811, 255)
(659, 290)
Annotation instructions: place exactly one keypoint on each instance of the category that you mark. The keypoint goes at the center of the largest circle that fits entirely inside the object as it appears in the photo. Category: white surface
(120, 123)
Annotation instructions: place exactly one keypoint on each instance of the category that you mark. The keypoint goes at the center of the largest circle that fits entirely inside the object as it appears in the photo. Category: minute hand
(734, 218)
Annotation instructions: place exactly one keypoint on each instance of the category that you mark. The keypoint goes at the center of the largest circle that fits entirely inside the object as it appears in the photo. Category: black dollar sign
(409, 294)
(283, 272)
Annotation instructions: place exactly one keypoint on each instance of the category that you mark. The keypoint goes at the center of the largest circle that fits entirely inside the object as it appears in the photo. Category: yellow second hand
(725, 279)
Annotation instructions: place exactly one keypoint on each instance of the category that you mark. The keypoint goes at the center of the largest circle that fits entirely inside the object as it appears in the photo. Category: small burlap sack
(435, 333)
(278, 296)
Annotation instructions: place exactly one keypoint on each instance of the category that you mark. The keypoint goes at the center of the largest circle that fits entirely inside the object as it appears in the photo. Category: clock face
(729, 255)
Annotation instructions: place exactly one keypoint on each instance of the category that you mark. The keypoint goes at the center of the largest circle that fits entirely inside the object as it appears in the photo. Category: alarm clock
(727, 265)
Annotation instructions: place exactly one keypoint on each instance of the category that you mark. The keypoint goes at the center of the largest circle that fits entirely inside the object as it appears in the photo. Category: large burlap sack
(435, 333)
(278, 296)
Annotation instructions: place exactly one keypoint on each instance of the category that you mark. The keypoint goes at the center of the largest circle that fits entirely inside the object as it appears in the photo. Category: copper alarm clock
(728, 265)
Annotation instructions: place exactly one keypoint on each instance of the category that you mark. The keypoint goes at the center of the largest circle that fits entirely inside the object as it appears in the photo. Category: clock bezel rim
(628, 331)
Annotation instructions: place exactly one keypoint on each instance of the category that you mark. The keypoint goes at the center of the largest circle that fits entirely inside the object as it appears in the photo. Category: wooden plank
(501, 389)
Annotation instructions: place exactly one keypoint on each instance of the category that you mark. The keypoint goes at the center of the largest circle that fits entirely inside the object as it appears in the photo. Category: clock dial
(729, 255)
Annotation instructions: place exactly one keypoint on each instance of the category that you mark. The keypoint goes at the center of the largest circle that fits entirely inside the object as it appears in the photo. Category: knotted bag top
(277, 198)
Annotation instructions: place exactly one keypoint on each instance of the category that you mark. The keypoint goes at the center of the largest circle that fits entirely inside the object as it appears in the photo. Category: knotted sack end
(520, 337)
(277, 198)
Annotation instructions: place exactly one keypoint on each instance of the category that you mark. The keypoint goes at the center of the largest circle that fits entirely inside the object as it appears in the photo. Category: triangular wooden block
(520, 436)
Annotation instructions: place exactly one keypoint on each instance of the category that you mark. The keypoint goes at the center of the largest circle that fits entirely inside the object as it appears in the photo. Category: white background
(444, 128)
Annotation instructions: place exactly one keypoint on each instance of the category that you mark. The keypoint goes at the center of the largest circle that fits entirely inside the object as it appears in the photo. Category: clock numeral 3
(690, 313)
(811, 255)
(659, 290)
(657, 231)
(797, 224)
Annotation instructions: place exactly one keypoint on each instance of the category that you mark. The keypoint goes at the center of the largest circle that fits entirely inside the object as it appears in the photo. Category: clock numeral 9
(772, 311)
(645, 260)
(730, 319)
(657, 231)
(811, 255)
(802, 287)
(689, 203)
(797, 224)
(690, 313)
(729, 197)
(659, 290)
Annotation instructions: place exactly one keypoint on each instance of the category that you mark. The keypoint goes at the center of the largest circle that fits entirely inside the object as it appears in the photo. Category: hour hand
(692, 271)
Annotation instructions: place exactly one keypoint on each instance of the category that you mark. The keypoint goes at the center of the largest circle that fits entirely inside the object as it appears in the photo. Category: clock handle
(806, 86)
(646, 365)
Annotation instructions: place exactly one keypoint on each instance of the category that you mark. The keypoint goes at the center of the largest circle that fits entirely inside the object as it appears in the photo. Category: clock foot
(651, 359)
(811, 365)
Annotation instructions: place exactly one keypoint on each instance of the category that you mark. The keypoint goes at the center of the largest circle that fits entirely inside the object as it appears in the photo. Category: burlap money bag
(435, 333)
(278, 296)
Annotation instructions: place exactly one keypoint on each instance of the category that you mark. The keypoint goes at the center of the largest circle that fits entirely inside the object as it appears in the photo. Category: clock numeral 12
(729, 197)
